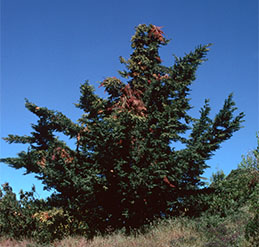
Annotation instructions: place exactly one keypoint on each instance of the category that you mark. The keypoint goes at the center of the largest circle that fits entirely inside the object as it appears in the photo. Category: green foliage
(231, 193)
(225, 231)
(222, 237)
(125, 170)
(16, 216)
(217, 177)
(28, 217)
(238, 190)
(56, 223)
(251, 162)
(252, 231)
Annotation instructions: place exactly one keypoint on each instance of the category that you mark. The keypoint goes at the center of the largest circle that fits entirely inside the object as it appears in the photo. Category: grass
(165, 234)
(176, 232)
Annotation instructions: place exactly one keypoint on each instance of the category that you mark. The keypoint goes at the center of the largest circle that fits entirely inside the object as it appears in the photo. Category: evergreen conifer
(125, 170)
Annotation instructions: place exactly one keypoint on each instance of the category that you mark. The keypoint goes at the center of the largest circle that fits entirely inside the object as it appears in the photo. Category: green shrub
(233, 192)
(252, 228)
(57, 223)
(251, 162)
(16, 219)
(221, 236)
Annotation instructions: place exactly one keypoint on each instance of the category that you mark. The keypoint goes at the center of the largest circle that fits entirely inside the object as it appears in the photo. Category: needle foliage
(125, 170)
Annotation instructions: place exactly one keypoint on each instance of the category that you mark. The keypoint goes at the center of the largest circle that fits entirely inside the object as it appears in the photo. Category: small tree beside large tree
(125, 169)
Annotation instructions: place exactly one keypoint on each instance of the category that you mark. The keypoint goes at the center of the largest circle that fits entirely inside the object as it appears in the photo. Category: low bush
(16, 216)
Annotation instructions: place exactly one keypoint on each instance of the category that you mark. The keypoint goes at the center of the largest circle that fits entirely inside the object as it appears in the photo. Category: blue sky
(50, 47)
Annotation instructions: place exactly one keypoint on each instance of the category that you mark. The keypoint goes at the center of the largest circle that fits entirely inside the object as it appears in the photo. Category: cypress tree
(125, 169)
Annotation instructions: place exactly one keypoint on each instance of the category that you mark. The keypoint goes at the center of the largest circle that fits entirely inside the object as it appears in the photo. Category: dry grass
(173, 233)
(179, 232)
(14, 243)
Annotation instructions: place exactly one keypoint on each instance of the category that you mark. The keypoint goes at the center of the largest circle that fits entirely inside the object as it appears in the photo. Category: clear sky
(50, 47)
